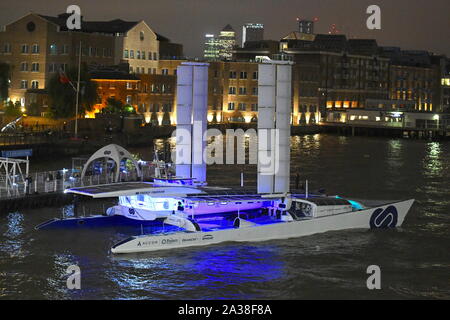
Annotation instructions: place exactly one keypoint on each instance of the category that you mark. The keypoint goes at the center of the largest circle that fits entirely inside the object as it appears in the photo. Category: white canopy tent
(117, 154)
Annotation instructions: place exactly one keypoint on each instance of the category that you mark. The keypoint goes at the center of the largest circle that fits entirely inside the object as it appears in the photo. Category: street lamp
(436, 118)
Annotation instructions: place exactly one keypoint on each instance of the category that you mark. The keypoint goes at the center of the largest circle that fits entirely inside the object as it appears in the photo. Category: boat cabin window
(303, 209)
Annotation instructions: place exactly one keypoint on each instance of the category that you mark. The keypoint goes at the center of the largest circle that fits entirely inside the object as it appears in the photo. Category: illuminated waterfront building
(331, 74)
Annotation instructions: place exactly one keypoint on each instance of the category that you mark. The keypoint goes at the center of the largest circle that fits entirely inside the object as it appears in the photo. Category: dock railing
(59, 181)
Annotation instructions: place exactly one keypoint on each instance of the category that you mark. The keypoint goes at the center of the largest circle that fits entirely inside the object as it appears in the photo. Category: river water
(414, 260)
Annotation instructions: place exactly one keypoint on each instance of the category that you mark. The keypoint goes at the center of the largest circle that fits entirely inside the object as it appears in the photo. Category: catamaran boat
(183, 212)
(189, 216)
(175, 202)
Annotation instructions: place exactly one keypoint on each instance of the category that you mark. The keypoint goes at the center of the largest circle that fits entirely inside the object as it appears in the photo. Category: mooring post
(75, 205)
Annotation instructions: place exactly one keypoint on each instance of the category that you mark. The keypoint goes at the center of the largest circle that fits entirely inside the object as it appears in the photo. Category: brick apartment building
(37, 46)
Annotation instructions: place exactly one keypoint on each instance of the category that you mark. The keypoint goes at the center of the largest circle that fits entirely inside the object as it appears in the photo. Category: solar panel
(113, 187)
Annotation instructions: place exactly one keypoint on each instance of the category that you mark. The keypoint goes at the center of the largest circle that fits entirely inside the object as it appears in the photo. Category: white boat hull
(385, 216)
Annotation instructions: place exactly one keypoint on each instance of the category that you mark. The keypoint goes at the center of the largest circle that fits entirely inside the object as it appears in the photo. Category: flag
(63, 77)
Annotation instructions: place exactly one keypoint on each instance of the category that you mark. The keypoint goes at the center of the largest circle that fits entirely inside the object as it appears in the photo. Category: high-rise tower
(212, 47)
(252, 32)
(227, 42)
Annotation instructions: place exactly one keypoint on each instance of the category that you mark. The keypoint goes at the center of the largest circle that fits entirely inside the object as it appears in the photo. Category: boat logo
(132, 211)
(383, 219)
(147, 243)
(208, 237)
(169, 241)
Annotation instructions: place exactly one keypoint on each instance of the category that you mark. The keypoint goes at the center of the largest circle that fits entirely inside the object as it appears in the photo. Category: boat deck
(217, 223)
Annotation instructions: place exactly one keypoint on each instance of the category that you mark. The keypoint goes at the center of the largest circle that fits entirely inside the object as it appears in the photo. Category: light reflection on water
(199, 272)
(415, 260)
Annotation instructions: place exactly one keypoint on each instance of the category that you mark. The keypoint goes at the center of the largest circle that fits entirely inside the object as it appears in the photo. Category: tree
(63, 96)
(116, 107)
(13, 109)
(113, 106)
(4, 80)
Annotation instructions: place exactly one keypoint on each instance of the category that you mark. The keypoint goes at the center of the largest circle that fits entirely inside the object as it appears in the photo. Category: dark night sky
(411, 24)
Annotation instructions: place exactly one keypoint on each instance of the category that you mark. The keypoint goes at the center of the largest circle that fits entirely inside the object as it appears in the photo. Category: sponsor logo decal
(189, 240)
(132, 211)
(147, 243)
(169, 241)
(384, 219)
(208, 237)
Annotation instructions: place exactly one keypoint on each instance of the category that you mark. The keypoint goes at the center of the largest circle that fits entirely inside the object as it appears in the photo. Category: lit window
(242, 107)
(51, 67)
(24, 48)
(53, 49)
(35, 84)
(7, 48)
(35, 67)
(126, 54)
(35, 49)
(231, 106)
(24, 84)
(24, 66)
